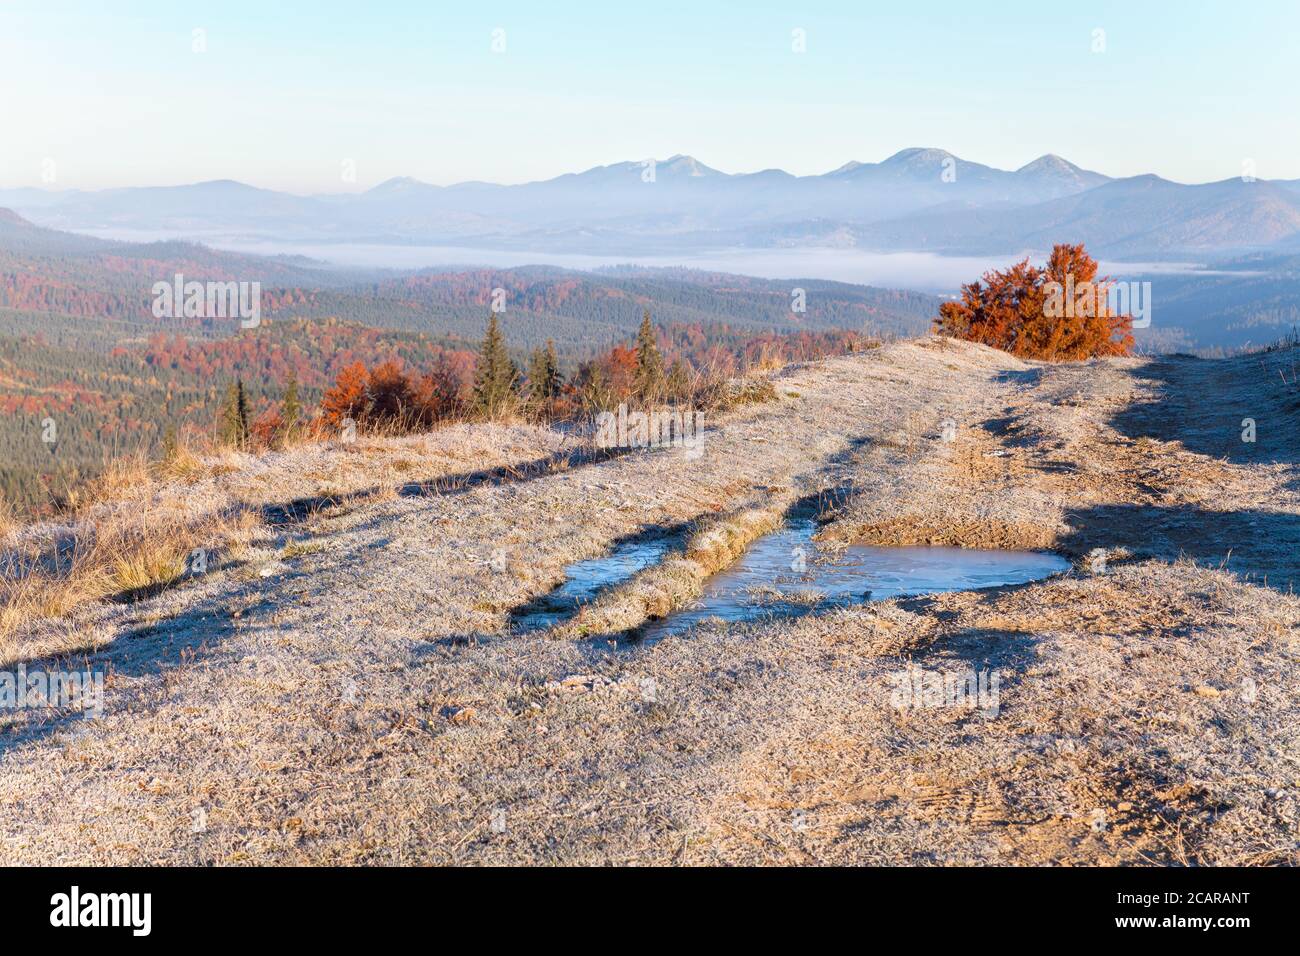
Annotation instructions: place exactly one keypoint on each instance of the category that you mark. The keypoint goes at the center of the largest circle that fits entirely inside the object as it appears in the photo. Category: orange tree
(1058, 313)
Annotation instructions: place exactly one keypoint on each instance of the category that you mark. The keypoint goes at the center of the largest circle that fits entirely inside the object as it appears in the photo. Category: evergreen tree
(496, 376)
(554, 381)
(234, 416)
(537, 377)
(290, 409)
(649, 378)
(543, 374)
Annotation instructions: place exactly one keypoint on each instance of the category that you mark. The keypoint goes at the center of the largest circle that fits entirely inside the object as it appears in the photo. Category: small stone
(459, 715)
(578, 684)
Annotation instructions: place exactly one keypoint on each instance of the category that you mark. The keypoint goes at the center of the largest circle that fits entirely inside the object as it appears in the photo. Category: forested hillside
(88, 371)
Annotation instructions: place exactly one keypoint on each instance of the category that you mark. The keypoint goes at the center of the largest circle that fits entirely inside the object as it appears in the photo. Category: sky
(331, 96)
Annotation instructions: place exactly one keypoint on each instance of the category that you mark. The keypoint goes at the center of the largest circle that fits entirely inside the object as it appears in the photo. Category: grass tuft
(127, 551)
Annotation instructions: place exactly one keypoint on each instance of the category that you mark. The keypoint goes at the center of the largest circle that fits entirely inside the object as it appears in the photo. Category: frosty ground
(345, 686)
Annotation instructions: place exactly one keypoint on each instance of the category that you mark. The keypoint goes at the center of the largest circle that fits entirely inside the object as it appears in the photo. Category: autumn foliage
(386, 397)
(675, 365)
(1058, 313)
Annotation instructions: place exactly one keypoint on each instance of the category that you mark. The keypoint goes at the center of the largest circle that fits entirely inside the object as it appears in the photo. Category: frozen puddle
(785, 572)
(584, 580)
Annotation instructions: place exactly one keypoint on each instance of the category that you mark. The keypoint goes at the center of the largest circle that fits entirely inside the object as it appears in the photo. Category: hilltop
(344, 684)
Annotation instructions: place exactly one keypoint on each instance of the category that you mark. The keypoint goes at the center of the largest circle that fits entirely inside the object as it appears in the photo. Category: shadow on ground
(1206, 404)
(302, 508)
(145, 649)
(1259, 546)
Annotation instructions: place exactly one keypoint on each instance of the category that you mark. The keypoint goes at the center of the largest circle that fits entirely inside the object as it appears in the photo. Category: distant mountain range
(917, 199)
(1252, 299)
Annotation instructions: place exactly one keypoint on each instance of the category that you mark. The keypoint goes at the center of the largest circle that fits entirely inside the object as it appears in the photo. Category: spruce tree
(234, 416)
(537, 377)
(290, 409)
(543, 374)
(553, 379)
(244, 417)
(649, 378)
(496, 377)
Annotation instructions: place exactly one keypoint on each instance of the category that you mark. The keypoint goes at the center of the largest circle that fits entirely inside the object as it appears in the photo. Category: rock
(578, 684)
(459, 715)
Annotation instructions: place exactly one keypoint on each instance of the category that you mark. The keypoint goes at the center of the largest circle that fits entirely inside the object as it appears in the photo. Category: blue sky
(286, 92)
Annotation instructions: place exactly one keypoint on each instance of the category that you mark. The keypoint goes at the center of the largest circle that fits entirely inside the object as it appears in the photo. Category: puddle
(584, 580)
(786, 573)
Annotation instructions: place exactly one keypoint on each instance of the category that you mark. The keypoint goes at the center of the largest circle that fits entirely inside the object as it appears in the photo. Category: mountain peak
(1048, 161)
(396, 184)
(1049, 164)
(848, 167)
(1052, 169)
(687, 166)
(917, 155)
(222, 184)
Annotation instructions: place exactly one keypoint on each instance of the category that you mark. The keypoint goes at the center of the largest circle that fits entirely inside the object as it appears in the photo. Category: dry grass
(183, 464)
(1128, 705)
(131, 531)
(123, 477)
(126, 553)
(298, 549)
(8, 519)
(720, 395)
